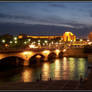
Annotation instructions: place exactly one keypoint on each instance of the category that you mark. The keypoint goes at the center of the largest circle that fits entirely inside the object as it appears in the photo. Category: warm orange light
(20, 36)
(64, 50)
(6, 45)
(46, 52)
(38, 56)
(68, 36)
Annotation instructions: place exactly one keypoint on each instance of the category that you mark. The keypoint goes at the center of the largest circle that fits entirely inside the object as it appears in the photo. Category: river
(67, 68)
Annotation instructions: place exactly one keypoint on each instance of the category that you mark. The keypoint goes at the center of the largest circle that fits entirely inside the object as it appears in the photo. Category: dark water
(60, 69)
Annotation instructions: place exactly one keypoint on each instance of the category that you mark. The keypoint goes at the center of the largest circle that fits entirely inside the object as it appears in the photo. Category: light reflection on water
(65, 68)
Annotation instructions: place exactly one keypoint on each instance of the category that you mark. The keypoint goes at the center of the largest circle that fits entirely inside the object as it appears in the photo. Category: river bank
(42, 85)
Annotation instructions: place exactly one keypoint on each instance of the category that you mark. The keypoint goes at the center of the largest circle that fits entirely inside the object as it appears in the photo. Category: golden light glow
(45, 70)
(20, 36)
(65, 66)
(57, 51)
(32, 46)
(57, 69)
(3, 41)
(46, 52)
(69, 36)
(6, 45)
(64, 50)
(27, 75)
(89, 43)
(38, 56)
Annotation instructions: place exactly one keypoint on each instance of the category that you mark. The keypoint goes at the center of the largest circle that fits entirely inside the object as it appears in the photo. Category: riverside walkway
(42, 85)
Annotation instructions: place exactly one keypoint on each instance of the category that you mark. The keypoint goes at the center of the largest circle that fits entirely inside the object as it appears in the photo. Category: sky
(46, 18)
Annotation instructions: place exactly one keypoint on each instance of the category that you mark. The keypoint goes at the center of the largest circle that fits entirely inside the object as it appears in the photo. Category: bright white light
(29, 40)
(15, 38)
(32, 46)
(25, 42)
(46, 41)
(81, 40)
(46, 51)
(90, 43)
(11, 42)
(16, 42)
(3, 41)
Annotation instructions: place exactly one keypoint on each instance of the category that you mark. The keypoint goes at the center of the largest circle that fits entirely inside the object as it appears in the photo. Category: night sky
(46, 18)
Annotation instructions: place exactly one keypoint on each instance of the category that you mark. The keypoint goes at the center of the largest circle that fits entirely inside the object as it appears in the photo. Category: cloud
(57, 5)
(49, 20)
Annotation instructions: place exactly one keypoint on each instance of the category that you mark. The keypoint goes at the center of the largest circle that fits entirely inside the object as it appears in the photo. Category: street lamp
(3, 41)
(15, 38)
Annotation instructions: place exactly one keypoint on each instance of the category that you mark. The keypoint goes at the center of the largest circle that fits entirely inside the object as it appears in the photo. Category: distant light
(25, 42)
(15, 38)
(89, 43)
(33, 46)
(11, 42)
(38, 56)
(46, 51)
(57, 50)
(20, 36)
(6, 45)
(87, 40)
(39, 41)
(81, 40)
(46, 41)
(52, 42)
(16, 41)
(3, 41)
(29, 40)
(64, 50)
(43, 43)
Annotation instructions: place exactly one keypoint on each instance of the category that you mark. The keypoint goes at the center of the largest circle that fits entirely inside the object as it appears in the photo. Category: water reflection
(65, 68)
(81, 67)
(27, 75)
(45, 71)
(72, 67)
(57, 69)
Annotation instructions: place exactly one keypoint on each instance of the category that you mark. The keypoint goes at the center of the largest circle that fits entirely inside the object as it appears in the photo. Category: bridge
(28, 54)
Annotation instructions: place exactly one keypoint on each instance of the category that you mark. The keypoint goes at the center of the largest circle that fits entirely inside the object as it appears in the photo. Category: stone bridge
(26, 55)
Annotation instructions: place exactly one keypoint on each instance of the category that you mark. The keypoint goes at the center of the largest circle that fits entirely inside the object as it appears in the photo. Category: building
(43, 37)
(90, 36)
(69, 36)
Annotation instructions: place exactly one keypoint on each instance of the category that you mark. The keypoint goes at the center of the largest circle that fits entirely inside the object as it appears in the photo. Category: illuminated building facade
(69, 36)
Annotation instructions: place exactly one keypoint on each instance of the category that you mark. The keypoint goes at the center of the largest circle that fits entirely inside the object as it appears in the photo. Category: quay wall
(75, 52)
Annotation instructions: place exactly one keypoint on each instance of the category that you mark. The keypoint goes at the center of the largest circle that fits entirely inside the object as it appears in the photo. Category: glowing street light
(25, 42)
(46, 41)
(11, 42)
(81, 40)
(64, 50)
(39, 41)
(29, 40)
(16, 41)
(32, 46)
(3, 41)
(15, 38)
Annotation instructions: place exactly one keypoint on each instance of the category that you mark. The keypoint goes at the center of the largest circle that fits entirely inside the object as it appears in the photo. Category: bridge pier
(90, 59)
(26, 63)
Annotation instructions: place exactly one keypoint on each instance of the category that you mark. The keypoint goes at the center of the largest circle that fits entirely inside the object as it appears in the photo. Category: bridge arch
(52, 56)
(61, 54)
(11, 61)
(36, 58)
